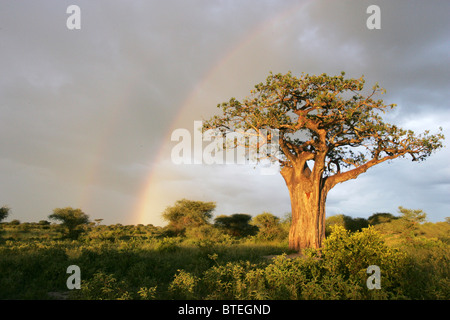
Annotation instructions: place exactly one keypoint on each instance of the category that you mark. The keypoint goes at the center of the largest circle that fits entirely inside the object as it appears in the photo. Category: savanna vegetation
(198, 255)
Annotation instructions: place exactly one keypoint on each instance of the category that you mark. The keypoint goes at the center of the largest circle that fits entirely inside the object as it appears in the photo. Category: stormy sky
(86, 115)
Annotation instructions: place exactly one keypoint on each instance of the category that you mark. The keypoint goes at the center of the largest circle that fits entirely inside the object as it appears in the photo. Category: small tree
(381, 217)
(410, 219)
(72, 220)
(236, 225)
(414, 216)
(268, 225)
(4, 212)
(187, 214)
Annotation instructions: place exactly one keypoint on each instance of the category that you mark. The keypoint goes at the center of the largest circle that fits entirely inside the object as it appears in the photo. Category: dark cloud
(85, 115)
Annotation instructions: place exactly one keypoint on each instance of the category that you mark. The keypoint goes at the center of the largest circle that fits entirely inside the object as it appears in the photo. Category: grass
(137, 262)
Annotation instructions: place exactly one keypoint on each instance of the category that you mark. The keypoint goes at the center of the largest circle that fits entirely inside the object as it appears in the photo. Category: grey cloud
(84, 114)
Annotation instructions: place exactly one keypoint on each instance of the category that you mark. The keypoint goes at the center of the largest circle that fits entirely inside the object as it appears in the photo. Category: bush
(14, 222)
(210, 265)
(350, 254)
(269, 227)
(338, 272)
(183, 285)
(236, 225)
(228, 281)
(102, 286)
(427, 272)
(168, 244)
(349, 223)
(30, 271)
(381, 217)
(147, 293)
(205, 233)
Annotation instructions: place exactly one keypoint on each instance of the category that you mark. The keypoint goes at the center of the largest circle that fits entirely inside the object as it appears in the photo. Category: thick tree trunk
(308, 209)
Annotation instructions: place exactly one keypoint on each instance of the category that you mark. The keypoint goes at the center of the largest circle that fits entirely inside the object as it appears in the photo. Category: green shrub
(350, 254)
(349, 223)
(226, 267)
(102, 286)
(205, 233)
(269, 227)
(183, 285)
(227, 281)
(147, 293)
(168, 244)
(427, 272)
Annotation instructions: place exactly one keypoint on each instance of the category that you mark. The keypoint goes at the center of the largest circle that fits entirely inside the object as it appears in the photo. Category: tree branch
(354, 173)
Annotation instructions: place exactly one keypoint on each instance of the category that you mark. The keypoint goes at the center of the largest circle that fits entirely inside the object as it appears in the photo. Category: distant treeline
(194, 220)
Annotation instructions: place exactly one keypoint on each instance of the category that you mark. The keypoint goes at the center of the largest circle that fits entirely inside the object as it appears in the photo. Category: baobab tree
(329, 131)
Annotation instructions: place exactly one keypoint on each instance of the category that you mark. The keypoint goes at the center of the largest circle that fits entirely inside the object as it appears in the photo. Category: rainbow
(151, 201)
(91, 176)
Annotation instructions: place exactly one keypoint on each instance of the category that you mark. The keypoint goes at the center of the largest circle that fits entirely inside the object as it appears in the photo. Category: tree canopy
(188, 213)
(236, 225)
(4, 212)
(328, 130)
(70, 218)
(327, 119)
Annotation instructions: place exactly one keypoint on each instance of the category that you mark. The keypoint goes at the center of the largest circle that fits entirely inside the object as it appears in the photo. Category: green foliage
(187, 214)
(324, 110)
(349, 223)
(378, 218)
(228, 281)
(427, 269)
(206, 235)
(417, 216)
(411, 225)
(236, 225)
(147, 293)
(29, 271)
(332, 275)
(183, 285)
(269, 227)
(72, 220)
(44, 223)
(339, 272)
(138, 262)
(349, 254)
(335, 274)
(102, 287)
(168, 244)
(4, 213)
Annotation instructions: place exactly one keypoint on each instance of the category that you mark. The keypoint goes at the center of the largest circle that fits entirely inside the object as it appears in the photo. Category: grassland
(142, 262)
